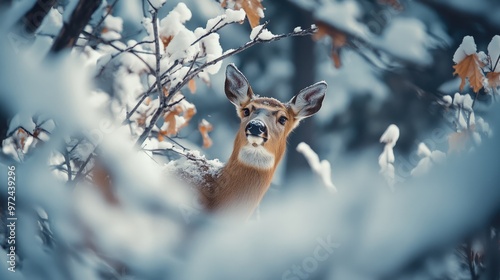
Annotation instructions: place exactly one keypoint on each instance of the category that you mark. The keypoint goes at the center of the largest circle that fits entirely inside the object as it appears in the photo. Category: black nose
(256, 127)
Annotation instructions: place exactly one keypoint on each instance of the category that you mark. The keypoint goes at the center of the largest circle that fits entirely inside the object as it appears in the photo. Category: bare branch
(158, 56)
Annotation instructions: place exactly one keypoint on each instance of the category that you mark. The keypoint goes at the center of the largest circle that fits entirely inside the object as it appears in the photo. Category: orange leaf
(189, 113)
(166, 41)
(205, 127)
(470, 68)
(171, 121)
(336, 58)
(192, 86)
(102, 180)
(253, 9)
(493, 79)
(223, 4)
(339, 40)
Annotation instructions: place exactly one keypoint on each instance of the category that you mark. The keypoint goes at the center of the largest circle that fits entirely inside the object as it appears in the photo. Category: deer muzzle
(256, 132)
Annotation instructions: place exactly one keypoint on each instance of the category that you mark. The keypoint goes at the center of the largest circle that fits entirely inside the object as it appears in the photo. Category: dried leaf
(254, 11)
(166, 40)
(192, 86)
(102, 180)
(223, 4)
(470, 69)
(336, 58)
(393, 3)
(493, 79)
(205, 127)
(171, 123)
(339, 40)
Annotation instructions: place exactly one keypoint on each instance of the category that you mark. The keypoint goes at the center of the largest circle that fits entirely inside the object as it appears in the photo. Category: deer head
(266, 122)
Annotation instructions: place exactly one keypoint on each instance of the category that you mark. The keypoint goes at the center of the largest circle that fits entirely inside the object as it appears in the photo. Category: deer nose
(256, 127)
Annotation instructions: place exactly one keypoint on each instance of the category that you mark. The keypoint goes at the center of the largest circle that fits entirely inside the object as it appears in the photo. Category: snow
(113, 23)
(190, 169)
(321, 168)
(423, 150)
(21, 120)
(468, 47)
(344, 16)
(297, 29)
(390, 136)
(457, 99)
(234, 15)
(180, 46)
(264, 35)
(494, 52)
(173, 23)
(213, 50)
(429, 159)
(386, 158)
(110, 36)
(467, 102)
(448, 100)
(406, 38)
(219, 21)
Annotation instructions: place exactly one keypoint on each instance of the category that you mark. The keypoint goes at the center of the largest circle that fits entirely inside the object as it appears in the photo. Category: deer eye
(282, 120)
(246, 112)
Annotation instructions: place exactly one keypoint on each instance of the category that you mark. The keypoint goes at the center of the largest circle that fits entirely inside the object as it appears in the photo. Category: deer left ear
(236, 86)
(308, 101)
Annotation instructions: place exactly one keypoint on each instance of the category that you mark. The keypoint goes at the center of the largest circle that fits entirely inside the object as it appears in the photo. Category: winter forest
(144, 139)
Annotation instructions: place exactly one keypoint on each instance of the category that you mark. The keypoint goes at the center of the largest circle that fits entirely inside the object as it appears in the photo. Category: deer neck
(244, 180)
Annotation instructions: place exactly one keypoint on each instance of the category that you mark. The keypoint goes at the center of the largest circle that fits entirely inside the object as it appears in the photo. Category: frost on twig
(386, 159)
(321, 168)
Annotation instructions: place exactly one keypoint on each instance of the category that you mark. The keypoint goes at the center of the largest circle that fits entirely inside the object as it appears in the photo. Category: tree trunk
(70, 31)
(304, 61)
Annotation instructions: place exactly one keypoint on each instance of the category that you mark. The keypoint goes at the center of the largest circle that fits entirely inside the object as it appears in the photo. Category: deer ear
(308, 101)
(237, 88)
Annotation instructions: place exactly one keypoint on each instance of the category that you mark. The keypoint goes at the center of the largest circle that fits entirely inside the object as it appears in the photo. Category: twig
(158, 56)
(68, 164)
(212, 30)
(153, 121)
(496, 63)
(176, 102)
(78, 175)
(119, 49)
(191, 66)
(110, 9)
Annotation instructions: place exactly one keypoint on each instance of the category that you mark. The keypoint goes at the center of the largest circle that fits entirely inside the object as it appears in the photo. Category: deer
(258, 148)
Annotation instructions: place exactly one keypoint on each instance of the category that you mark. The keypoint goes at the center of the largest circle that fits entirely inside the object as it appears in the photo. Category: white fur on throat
(257, 157)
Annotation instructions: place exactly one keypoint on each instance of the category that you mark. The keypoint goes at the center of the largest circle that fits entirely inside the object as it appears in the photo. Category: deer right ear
(237, 88)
